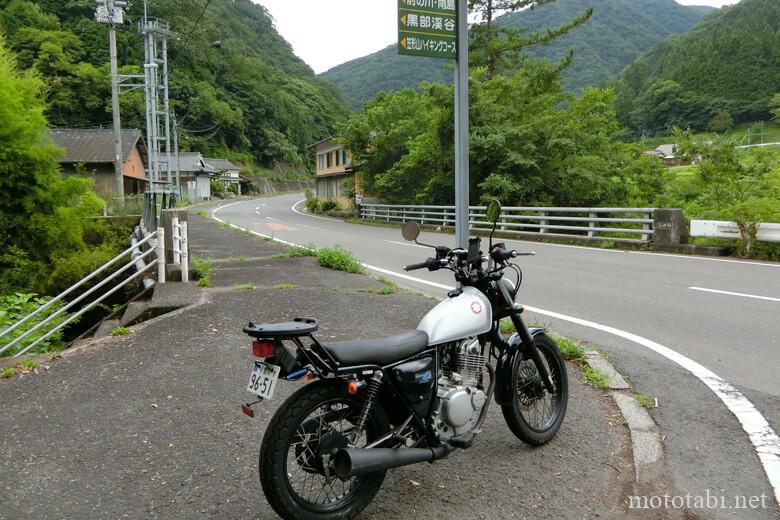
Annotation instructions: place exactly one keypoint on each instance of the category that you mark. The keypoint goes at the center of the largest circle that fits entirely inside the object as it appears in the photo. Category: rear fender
(505, 363)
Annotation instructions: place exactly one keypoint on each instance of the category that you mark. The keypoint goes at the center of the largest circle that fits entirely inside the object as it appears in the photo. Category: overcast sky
(326, 34)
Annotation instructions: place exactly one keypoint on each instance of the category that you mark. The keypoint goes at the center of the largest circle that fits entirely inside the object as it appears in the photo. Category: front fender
(506, 361)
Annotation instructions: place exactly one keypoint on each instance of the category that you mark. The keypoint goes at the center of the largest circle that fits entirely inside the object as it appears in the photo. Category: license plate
(263, 379)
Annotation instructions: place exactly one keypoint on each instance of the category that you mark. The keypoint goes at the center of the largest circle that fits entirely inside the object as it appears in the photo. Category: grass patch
(608, 244)
(570, 350)
(338, 259)
(120, 331)
(387, 289)
(204, 269)
(644, 401)
(596, 378)
(29, 364)
(202, 213)
(244, 287)
(8, 372)
(298, 252)
(506, 326)
(285, 286)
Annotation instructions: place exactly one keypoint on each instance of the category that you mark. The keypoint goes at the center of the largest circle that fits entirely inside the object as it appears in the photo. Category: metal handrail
(84, 310)
(74, 302)
(136, 260)
(72, 288)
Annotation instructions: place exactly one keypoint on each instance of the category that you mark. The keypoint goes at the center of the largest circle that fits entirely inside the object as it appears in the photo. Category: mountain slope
(247, 96)
(618, 32)
(726, 66)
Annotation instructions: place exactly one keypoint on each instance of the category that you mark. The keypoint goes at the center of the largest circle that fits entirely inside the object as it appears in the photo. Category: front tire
(533, 414)
(316, 420)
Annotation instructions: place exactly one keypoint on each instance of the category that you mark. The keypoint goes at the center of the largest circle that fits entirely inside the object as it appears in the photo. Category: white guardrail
(722, 229)
(590, 222)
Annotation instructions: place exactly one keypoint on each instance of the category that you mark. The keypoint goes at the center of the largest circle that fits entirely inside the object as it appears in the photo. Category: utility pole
(111, 12)
(462, 129)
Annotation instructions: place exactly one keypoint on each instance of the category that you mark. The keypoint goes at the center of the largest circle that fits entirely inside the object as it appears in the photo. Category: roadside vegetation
(14, 307)
(338, 259)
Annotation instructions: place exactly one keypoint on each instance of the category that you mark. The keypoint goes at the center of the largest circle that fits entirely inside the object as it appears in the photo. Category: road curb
(646, 442)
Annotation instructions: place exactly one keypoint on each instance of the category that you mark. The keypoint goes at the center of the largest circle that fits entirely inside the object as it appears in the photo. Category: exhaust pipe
(356, 462)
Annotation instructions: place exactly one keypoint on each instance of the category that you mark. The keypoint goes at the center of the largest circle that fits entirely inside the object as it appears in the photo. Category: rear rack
(286, 330)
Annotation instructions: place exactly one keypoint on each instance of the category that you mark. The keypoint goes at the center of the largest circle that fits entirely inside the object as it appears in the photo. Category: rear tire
(291, 472)
(533, 414)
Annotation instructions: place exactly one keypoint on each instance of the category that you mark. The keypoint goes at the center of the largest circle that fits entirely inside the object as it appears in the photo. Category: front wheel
(295, 468)
(534, 414)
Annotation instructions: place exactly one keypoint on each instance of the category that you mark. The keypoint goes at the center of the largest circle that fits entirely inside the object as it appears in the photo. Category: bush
(330, 205)
(217, 189)
(14, 307)
(312, 205)
(338, 259)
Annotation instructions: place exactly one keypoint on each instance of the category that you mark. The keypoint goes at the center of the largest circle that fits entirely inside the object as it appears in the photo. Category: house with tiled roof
(91, 152)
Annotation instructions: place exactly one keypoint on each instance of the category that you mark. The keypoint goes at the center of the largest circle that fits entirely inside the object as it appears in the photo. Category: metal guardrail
(591, 222)
(137, 259)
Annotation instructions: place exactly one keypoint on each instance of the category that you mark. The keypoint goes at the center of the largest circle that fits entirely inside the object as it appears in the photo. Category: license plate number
(263, 380)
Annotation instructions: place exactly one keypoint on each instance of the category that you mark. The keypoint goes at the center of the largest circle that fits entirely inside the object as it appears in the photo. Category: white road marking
(312, 216)
(704, 258)
(729, 293)
(274, 219)
(764, 439)
(403, 244)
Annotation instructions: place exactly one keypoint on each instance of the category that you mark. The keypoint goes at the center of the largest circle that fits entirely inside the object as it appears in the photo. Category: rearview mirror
(493, 211)
(411, 231)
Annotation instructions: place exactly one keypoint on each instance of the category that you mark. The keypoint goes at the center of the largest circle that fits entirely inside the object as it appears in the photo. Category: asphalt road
(669, 299)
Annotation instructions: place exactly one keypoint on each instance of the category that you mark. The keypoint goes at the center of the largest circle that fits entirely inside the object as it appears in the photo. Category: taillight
(263, 348)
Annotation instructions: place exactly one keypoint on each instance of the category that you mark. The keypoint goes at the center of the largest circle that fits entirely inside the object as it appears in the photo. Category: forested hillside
(618, 32)
(247, 97)
(725, 70)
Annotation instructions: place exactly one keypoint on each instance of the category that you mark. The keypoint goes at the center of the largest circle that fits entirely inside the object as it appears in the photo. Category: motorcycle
(417, 397)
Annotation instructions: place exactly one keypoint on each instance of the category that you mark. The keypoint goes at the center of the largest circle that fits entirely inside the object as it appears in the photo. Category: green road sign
(428, 28)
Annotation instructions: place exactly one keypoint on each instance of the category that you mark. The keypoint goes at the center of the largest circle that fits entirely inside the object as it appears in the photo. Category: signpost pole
(462, 129)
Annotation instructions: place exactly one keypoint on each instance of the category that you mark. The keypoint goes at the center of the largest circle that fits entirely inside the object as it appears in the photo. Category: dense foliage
(531, 144)
(236, 85)
(46, 241)
(617, 33)
(725, 68)
(729, 184)
(14, 307)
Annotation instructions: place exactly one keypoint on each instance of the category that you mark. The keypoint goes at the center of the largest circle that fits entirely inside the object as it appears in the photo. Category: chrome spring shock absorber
(371, 393)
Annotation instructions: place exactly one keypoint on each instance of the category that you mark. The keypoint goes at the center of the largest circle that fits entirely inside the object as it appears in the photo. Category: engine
(459, 400)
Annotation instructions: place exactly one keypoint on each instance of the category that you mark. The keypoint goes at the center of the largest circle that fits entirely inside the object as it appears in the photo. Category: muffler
(356, 462)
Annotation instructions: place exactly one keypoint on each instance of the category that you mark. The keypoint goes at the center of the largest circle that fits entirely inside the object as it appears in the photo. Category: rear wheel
(295, 469)
(534, 414)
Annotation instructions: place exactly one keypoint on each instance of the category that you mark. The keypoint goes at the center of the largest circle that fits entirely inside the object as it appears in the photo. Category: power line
(187, 41)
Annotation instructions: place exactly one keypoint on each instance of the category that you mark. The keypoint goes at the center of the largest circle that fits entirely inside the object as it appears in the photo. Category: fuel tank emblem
(476, 307)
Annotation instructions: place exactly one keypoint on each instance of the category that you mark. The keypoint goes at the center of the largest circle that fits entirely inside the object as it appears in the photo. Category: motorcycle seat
(383, 351)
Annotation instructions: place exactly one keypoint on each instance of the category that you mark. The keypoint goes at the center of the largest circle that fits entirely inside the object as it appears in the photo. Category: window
(322, 188)
(338, 157)
(343, 157)
(321, 158)
(330, 160)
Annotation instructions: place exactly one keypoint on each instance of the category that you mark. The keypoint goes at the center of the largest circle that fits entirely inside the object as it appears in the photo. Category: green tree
(42, 238)
(499, 48)
(774, 106)
(721, 122)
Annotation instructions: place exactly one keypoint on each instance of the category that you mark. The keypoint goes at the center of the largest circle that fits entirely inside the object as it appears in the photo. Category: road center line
(729, 293)
(764, 439)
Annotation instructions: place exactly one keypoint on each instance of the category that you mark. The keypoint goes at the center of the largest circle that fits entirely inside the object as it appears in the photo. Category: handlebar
(432, 264)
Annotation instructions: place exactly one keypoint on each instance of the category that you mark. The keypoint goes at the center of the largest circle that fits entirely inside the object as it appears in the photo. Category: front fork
(527, 340)
(530, 347)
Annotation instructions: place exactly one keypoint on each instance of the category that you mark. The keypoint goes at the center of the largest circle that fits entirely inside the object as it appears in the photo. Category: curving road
(669, 321)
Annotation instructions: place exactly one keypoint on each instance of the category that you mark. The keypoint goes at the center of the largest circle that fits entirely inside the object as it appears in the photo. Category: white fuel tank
(463, 316)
